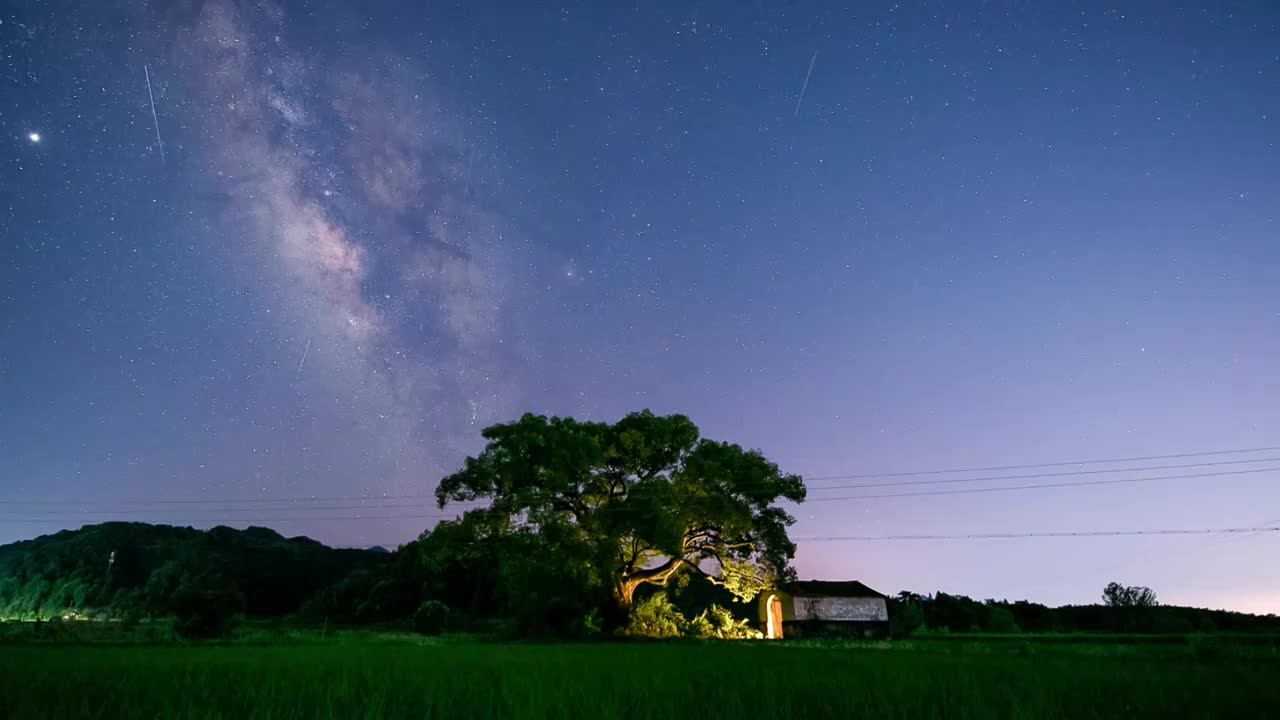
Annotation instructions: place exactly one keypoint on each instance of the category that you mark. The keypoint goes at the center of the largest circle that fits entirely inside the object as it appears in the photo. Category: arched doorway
(773, 627)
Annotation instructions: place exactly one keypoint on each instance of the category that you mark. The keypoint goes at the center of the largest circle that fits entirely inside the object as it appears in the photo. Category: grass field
(365, 677)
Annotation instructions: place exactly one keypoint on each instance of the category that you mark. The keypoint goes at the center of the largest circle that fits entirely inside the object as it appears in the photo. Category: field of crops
(367, 678)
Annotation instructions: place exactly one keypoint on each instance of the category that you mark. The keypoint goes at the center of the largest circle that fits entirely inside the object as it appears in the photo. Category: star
(33, 137)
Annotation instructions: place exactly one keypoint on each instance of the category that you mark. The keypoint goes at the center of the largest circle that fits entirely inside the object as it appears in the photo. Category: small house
(823, 607)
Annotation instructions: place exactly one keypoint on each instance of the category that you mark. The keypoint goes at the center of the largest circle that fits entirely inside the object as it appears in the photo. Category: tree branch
(658, 574)
(706, 575)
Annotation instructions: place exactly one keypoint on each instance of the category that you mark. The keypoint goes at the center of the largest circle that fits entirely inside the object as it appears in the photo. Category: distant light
(33, 137)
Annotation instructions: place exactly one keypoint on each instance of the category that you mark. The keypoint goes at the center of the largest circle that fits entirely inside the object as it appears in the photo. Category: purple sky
(988, 234)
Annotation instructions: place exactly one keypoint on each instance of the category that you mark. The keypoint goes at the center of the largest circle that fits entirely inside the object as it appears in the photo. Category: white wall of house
(841, 609)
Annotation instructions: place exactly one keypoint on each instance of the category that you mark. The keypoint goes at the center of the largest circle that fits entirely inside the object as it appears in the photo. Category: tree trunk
(624, 592)
(623, 596)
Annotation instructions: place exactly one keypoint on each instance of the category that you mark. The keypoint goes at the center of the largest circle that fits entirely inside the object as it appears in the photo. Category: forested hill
(136, 568)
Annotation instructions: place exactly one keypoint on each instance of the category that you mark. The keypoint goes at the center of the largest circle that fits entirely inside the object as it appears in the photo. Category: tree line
(202, 579)
(1124, 609)
(641, 526)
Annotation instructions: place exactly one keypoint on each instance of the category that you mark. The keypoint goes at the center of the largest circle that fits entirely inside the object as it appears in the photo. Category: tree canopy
(636, 501)
(1117, 595)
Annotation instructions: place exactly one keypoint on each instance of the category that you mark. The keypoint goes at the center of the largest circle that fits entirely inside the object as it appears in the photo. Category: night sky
(894, 238)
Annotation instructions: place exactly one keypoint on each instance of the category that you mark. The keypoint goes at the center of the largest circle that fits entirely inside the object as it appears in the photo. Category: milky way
(349, 187)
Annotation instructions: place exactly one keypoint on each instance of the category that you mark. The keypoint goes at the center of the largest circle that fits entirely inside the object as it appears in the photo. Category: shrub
(431, 618)
(130, 619)
(905, 617)
(205, 613)
(1000, 620)
(717, 622)
(656, 617)
(701, 627)
(591, 623)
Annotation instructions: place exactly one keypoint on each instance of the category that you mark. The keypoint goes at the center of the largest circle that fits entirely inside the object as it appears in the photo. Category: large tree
(638, 500)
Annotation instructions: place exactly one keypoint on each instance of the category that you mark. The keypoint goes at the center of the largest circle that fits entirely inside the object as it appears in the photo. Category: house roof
(830, 588)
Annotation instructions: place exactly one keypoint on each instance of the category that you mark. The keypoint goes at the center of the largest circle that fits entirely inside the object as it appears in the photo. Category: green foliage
(548, 583)
(956, 613)
(693, 594)
(635, 502)
(1000, 620)
(591, 624)
(431, 618)
(700, 627)
(131, 618)
(719, 623)
(745, 579)
(342, 602)
(486, 570)
(113, 570)
(906, 615)
(656, 617)
(204, 612)
(192, 588)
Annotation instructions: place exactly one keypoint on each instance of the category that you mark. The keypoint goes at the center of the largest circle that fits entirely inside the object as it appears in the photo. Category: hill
(118, 569)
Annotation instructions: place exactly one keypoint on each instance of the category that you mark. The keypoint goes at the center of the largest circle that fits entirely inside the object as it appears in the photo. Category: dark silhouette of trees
(431, 618)
(906, 615)
(193, 589)
(1132, 610)
(959, 614)
(1117, 595)
(584, 521)
(130, 570)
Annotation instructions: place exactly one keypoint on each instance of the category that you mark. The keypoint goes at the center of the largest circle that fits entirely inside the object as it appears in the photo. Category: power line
(1159, 532)
(1047, 475)
(72, 515)
(385, 498)
(1045, 486)
(215, 501)
(1043, 465)
(1051, 534)
(194, 521)
(1062, 534)
(153, 511)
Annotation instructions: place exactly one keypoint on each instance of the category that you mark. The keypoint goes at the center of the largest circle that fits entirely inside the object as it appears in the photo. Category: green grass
(367, 676)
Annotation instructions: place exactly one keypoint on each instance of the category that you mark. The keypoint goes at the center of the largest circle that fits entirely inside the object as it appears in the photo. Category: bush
(591, 624)
(717, 622)
(1000, 620)
(656, 617)
(130, 619)
(431, 618)
(205, 613)
(701, 627)
(905, 617)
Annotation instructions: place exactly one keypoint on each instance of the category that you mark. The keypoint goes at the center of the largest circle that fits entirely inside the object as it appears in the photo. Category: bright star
(33, 137)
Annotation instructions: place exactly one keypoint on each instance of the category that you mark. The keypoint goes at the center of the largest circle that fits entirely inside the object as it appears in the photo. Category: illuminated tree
(637, 501)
